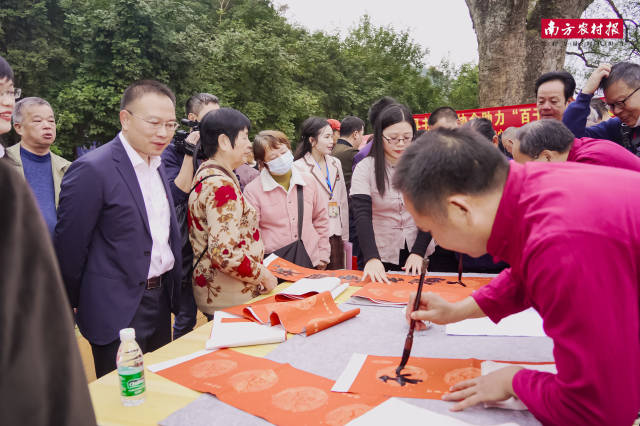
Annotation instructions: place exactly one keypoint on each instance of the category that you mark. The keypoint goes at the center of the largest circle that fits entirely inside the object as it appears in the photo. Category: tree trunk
(511, 50)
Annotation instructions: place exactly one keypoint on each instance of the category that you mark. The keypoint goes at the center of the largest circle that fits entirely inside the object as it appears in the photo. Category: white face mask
(281, 165)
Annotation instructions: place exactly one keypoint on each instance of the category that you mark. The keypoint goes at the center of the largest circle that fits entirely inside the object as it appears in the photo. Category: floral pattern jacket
(224, 229)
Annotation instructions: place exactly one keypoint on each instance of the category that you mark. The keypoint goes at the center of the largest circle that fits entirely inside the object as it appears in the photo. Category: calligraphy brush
(460, 268)
(408, 343)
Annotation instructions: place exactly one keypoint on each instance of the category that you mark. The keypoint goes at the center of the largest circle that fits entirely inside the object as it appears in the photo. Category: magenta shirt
(603, 153)
(571, 233)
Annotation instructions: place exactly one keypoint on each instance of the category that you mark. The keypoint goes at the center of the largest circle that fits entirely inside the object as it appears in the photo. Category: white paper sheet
(527, 323)
(512, 403)
(227, 335)
(175, 361)
(308, 285)
(350, 373)
(394, 411)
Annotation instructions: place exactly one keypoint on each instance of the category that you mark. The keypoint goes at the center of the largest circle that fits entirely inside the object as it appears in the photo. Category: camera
(179, 140)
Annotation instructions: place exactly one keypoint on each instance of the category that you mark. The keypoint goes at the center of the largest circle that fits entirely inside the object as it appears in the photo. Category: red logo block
(581, 28)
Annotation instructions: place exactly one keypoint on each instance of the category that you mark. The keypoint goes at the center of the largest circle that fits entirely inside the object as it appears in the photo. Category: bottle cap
(127, 334)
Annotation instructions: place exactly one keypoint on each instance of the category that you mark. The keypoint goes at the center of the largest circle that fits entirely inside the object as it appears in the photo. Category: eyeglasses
(620, 104)
(395, 140)
(14, 93)
(170, 126)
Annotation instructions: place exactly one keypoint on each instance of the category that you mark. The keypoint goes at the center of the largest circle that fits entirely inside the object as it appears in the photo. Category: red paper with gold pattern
(435, 375)
(276, 392)
(310, 315)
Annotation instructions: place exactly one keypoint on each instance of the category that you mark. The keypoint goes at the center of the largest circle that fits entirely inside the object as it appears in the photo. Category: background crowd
(147, 225)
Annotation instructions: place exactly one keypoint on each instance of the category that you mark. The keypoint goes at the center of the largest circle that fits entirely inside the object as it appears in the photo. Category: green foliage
(81, 54)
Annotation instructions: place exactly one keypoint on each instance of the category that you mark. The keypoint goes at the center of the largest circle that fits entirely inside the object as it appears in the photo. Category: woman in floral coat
(223, 228)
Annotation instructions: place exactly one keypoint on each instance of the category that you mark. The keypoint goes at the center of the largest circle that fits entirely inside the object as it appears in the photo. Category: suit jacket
(103, 241)
(345, 152)
(59, 167)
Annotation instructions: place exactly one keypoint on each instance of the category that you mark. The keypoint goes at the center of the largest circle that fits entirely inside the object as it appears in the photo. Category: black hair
(442, 112)
(377, 107)
(395, 113)
(224, 121)
(444, 162)
(350, 124)
(310, 129)
(140, 88)
(5, 70)
(564, 77)
(625, 71)
(600, 106)
(539, 135)
(482, 126)
(418, 133)
(196, 102)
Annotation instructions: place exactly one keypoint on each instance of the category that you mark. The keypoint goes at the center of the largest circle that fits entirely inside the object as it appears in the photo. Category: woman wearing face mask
(223, 228)
(274, 196)
(388, 236)
(314, 157)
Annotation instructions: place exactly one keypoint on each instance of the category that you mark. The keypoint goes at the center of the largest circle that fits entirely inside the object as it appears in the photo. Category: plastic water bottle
(130, 369)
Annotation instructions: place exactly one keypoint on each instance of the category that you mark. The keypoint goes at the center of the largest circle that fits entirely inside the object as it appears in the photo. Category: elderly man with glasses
(117, 237)
(621, 86)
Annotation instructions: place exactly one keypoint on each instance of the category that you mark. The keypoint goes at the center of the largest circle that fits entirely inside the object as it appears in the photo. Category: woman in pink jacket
(274, 196)
(314, 157)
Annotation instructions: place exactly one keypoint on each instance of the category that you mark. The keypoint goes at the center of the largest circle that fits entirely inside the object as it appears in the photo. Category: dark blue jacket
(103, 241)
(575, 118)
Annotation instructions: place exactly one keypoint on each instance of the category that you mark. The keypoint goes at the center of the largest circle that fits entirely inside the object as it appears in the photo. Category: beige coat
(59, 167)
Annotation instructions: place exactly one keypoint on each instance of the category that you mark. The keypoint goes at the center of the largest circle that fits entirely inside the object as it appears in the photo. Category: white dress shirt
(156, 203)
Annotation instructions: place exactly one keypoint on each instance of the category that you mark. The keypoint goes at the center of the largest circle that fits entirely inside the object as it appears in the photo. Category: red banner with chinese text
(500, 117)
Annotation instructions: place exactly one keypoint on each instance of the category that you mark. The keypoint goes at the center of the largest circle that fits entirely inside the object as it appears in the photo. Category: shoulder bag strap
(300, 211)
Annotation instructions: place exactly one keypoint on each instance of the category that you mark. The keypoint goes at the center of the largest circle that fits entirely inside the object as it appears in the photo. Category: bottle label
(132, 384)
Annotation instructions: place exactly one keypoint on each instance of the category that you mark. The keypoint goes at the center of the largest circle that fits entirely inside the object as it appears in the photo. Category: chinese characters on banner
(581, 28)
(500, 117)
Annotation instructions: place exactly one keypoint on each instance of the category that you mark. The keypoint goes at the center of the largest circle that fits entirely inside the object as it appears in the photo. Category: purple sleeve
(584, 287)
(360, 155)
(172, 163)
(502, 297)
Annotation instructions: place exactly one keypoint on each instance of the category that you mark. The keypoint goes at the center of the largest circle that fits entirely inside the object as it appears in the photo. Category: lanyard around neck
(328, 177)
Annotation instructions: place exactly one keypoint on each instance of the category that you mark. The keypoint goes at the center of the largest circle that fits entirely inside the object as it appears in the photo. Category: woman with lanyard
(314, 157)
(389, 238)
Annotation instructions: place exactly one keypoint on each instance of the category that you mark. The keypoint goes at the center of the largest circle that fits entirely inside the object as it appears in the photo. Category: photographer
(178, 162)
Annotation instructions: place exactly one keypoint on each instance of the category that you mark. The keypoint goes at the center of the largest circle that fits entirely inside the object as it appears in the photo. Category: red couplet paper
(276, 392)
(429, 378)
(399, 292)
(309, 315)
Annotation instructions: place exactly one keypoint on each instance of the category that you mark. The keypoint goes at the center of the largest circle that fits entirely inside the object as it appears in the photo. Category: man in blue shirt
(621, 86)
(34, 121)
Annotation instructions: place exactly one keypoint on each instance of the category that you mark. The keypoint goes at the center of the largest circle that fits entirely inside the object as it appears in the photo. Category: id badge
(334, 210)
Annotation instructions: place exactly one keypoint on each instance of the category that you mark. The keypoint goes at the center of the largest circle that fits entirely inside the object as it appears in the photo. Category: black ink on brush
(459, 273)
(401, 379)
(408, 343)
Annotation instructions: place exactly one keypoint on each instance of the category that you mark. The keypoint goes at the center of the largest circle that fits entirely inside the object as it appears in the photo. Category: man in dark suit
(117, 238)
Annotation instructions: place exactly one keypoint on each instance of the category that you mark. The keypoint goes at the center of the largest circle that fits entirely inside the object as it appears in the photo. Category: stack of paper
(230, 331)
(308, 287)
(396, 411)
(527, 323)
